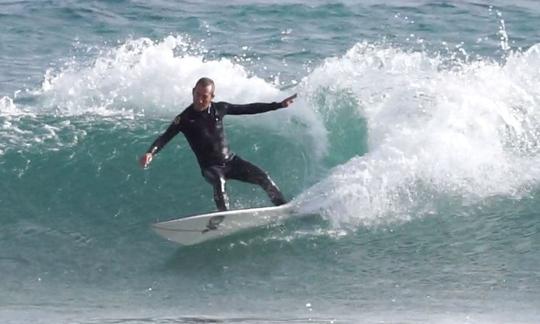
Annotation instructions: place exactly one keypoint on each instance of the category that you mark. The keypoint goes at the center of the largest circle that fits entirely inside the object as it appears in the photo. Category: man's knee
(212, 175)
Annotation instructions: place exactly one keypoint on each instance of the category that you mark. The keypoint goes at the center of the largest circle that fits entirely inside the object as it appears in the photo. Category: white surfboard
(200, 228)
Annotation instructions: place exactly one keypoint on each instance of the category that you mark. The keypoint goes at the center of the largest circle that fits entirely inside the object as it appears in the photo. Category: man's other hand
(289, 100)
(145, 160)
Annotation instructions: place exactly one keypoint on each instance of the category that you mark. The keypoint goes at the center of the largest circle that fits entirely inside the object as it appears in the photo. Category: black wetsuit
(204, 133)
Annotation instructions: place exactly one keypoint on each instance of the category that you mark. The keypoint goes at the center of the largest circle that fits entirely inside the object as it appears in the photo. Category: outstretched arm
(289, 100)
(256, 108)
(160, 142)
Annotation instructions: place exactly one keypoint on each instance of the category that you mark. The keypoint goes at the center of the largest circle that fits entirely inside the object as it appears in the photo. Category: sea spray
(470, 131)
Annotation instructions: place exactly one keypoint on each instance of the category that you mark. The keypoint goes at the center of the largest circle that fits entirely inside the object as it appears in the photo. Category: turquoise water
(414, 144)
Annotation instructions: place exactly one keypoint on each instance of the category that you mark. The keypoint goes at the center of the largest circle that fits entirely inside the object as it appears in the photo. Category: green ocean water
(413, 145)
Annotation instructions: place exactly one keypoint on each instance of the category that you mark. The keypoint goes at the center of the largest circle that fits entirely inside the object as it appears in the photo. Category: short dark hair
(205, 82)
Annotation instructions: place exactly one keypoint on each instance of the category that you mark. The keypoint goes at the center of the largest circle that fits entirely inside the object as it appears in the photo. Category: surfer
(202, 125)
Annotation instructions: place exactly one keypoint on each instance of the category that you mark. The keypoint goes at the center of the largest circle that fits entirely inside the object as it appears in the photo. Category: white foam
(11, 133)
(144, 76)
(9, 108)
(6, 105)
(469, 129)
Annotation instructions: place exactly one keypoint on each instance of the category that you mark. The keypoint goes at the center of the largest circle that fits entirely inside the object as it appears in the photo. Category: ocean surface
(414, 146)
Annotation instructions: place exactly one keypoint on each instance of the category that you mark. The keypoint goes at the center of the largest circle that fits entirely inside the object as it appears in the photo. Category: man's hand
(287, 101)
(145, 160)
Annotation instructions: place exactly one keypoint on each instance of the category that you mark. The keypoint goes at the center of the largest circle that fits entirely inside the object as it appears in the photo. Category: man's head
(203, 93)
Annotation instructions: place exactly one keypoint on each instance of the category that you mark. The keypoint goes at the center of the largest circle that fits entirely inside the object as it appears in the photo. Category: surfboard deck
(196, 229)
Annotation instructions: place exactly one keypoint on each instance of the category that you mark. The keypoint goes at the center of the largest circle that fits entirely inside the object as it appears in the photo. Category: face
(202, 96)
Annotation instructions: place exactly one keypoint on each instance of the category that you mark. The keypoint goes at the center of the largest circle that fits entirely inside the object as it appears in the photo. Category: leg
(247, 172)
(215, 176)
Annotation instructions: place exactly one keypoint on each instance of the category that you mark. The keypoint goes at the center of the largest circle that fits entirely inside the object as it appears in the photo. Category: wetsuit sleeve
(253, 108)
(174, 128)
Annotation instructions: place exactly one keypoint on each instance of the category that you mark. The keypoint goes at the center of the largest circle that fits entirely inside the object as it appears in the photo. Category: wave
(392, 131)
(142, 76)
(468, 130)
